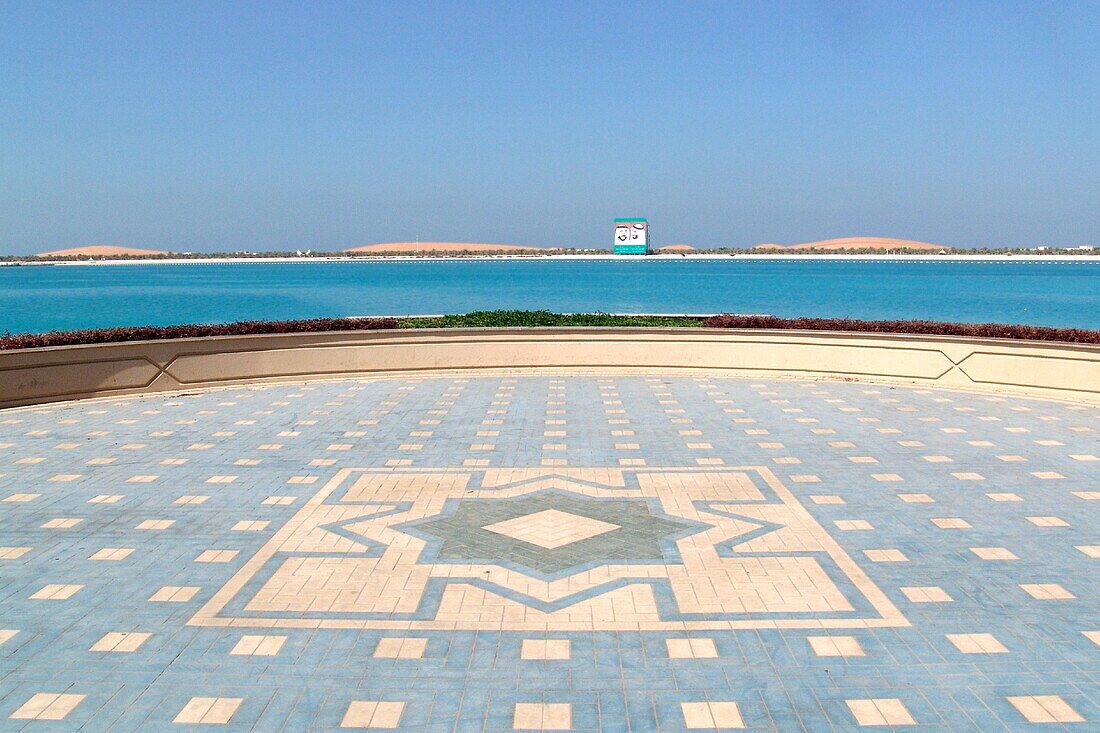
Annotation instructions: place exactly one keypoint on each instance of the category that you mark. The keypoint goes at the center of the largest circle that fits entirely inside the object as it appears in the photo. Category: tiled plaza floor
(459, 553)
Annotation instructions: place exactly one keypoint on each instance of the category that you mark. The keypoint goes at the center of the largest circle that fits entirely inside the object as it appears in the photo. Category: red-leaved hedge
(929, 328)
(246, 328)
(149, 333)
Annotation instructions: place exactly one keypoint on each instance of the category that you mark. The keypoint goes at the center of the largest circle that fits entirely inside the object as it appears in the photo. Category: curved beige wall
(34, 376)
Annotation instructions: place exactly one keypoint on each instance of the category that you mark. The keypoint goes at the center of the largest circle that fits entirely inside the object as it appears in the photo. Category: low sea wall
(34, 376)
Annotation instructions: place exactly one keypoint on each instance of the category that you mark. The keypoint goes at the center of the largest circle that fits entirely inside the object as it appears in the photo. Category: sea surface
(43, 298)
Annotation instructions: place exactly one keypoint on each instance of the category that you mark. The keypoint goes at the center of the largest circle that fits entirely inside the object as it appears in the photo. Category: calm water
(1047, 293)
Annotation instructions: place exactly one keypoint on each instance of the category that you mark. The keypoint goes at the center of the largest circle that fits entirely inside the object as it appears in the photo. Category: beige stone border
(35, 376)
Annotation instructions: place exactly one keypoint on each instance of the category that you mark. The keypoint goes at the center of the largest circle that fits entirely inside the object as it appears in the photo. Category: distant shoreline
(922, 257)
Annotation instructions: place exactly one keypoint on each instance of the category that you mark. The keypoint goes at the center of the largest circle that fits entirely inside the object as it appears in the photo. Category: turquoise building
(631, 236)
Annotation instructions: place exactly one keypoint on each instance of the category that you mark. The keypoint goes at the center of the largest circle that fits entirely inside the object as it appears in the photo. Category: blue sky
(218, 126)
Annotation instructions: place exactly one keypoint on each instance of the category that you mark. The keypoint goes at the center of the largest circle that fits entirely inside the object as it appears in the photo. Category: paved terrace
(639, 553)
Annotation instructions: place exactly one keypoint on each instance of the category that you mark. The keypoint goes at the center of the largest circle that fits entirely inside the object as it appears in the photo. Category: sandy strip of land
(619, 258)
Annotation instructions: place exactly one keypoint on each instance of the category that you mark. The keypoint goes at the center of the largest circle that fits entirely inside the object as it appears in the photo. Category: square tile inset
(711, 715)
(1045, 709)
(542, 716)
(208, 710)
(47, 706)
(373, 714)
(880, 711)
(547, 649)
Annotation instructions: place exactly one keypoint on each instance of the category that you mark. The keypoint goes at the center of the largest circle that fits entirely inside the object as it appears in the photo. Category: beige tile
(880, 711)
(174, 594)
(56, 592)
(208, 710)
(994, 553)
(47, 706)
(106, 499)
(1045, 709)
(279, 500)
(826, 499)
(551, 528)
(1089, 550)
(886, 555)
(258, 646)
(849, 525)
(977, 643)
(916, 498)
(542, 716)
(20, 498)
(711, 715)
(1005, 496)
(8, 634)
(951, 523)
(1048, 521)
(250, 526)
(217, 556)
(373, 714)
(156, 524)
(398, 647)
(927, 594)
(702, 648)
(13, 553)
(112, 553)
(835, 646)
(1047, 591)
(120, 641)
(62, 523)
(191, 499)
(545, 649)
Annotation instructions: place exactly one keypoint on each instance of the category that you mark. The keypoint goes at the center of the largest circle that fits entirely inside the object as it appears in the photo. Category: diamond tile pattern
(551, 528)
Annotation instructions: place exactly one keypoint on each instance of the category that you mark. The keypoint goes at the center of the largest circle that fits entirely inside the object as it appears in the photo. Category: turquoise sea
(42, 298)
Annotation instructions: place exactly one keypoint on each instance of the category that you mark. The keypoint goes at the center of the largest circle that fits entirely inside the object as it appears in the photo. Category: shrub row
(531, 319)
(148, 333)
(930, 328)
(528, 319)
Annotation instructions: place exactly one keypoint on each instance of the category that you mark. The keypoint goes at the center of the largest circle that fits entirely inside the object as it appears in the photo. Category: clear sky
(219, 126)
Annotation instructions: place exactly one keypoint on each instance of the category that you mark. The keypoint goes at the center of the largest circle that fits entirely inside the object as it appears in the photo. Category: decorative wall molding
(34, 376)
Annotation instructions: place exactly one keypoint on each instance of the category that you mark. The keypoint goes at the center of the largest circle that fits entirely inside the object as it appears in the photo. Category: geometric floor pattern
(551, 552)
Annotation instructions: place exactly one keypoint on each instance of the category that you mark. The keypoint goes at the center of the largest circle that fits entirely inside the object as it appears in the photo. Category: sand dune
(100, 250)
(856, 243)
(676, 248)
(413, 247)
